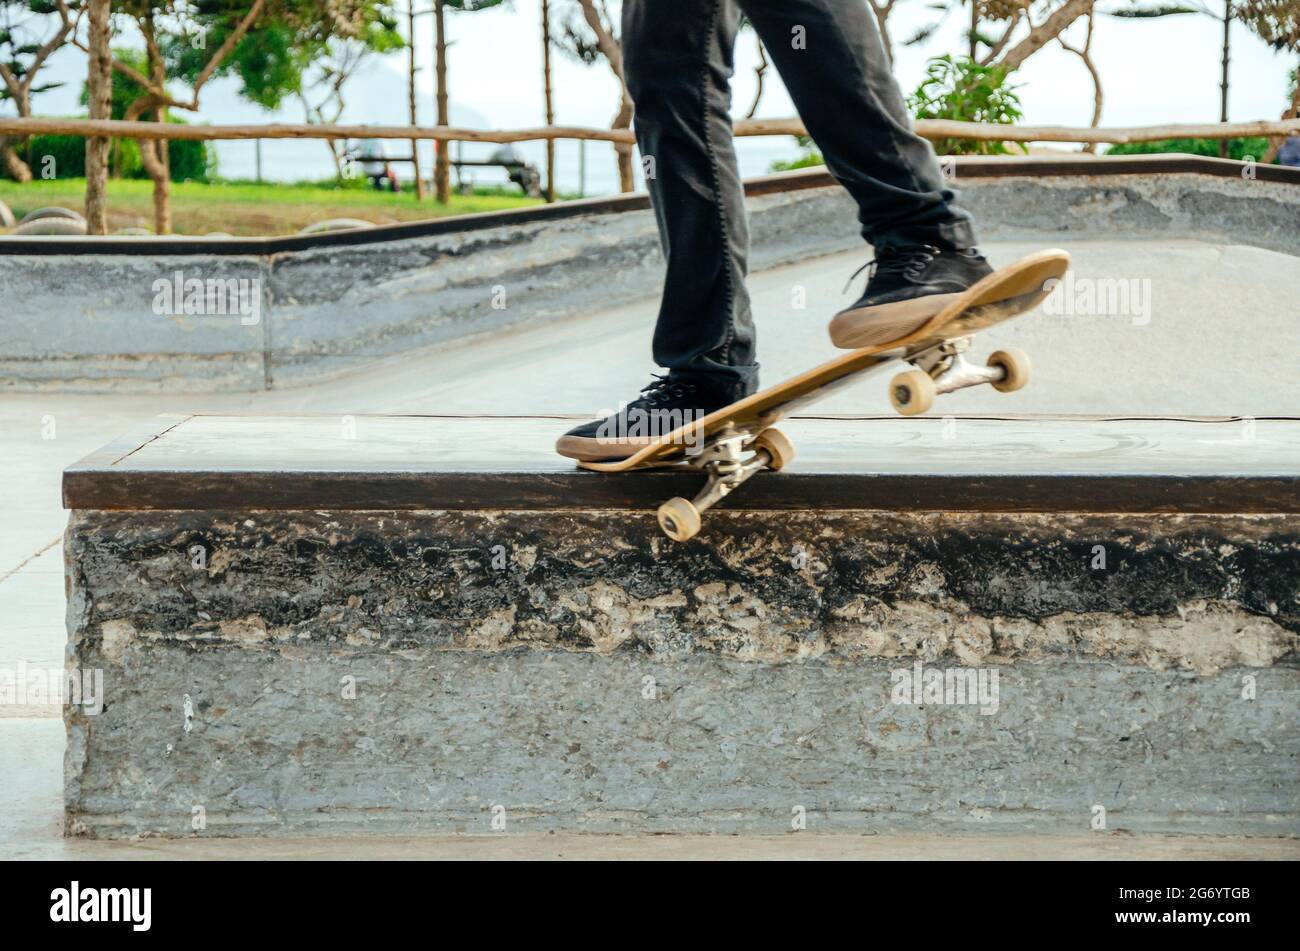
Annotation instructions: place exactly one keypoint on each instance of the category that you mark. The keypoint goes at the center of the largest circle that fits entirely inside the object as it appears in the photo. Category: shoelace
(663, 389)
(908, 260)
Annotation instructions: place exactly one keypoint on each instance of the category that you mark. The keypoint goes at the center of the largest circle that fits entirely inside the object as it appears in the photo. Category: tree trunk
(623, 150)
(1223, 82)
(153, 152)
(18, 169)
(442, 168)
(338, 159)
(609, 48)
(550, 101)
(153, 158)
(99, 89)
(974, 30)
(882, 11)
(19, 86)
(161, 172)
(1085, 53)
(162, 182)
(415, 144)
(760, 74)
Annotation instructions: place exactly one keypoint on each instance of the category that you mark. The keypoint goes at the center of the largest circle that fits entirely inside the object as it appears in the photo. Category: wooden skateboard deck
(1006, 293)
(734, 443)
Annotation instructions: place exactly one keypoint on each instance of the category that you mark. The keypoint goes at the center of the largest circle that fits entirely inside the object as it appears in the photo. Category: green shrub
(64, 156)
(1238, 149)
(195, 161)
(190, 160)
(952, 89)
(964, 90)
(809, 159)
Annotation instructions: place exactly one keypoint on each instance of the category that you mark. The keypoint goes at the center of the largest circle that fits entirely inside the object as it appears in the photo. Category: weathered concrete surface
(80, 321)
(502, 660)
(86, 321)
(1203, 207)
(31, 817)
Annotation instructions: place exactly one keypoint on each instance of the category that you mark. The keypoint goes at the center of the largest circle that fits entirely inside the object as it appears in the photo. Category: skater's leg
(831, 59)
(677, 59)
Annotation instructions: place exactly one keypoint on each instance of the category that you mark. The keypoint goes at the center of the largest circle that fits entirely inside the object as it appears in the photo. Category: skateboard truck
(944, 369)
(723, 459)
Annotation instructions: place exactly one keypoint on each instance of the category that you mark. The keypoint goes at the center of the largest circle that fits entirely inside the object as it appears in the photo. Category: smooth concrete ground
(1220, 318)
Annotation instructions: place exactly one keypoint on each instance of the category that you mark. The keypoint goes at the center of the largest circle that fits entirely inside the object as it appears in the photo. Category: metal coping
(966, 166)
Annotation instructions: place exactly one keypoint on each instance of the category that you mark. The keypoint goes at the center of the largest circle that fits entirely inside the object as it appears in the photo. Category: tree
(1001, 36)
(1142, 11)
(1044, 21)
(588, 35)
(442, 164)
(1084, 53)
(267, 44)
(411, 70)
(760, 71)
(31, 31)
(322, 86)
(99, 101)
(548, 99)
(881, 9)
(124, 154)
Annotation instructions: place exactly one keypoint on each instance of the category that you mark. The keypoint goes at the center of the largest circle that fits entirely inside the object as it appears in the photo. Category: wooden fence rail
(929, 128)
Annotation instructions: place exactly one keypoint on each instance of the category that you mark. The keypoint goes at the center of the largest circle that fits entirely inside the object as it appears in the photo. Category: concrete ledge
(80, 315)
(287, 670)
(1026, 464)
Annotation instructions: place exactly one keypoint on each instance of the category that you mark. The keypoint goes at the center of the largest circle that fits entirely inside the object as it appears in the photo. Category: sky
(1153, 72)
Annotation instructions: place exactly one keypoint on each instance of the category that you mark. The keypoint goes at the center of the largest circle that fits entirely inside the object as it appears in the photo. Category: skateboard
(734, 443)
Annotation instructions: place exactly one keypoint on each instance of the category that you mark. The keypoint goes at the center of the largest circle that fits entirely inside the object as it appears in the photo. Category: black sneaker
(908, 285)
(663, 407)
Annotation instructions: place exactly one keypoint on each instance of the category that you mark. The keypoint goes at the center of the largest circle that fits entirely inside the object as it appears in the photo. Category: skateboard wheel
(912, 392)
(1015, 368)
(777, 445)
(680, 519)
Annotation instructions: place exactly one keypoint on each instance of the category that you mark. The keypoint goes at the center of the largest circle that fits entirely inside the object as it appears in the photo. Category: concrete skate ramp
(1179, 301)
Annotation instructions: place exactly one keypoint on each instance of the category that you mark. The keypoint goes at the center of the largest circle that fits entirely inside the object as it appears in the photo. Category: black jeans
(677, 58)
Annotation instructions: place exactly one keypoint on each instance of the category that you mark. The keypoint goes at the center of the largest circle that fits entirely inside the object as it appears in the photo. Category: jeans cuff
(955, 235)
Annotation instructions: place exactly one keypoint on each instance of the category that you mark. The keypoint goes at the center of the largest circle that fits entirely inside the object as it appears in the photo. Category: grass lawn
(248, 208)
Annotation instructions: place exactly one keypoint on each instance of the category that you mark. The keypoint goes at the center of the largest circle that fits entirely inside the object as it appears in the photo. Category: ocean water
(586, 168)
